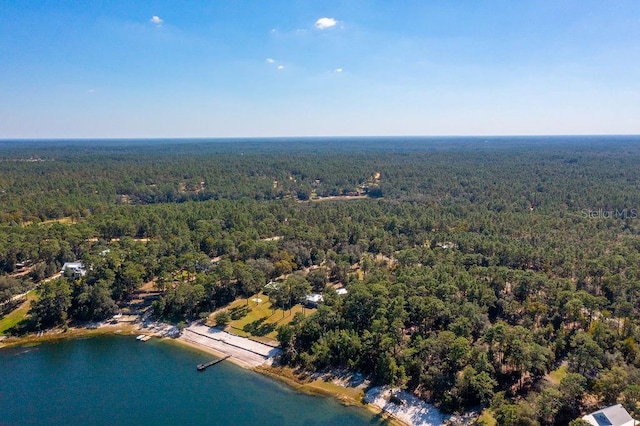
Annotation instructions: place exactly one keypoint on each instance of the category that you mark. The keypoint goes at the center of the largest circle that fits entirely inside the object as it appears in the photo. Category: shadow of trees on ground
(259, 328)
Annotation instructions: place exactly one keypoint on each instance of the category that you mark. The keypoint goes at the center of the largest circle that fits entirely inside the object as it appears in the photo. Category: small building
(76, 269)
(615, 415)
(312, 300)
(272, 285)
(341, 291)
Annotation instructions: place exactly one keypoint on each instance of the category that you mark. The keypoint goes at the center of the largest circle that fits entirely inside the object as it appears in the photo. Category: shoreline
(205, 349)
(347, 396)
(53, 335)
(286, 375)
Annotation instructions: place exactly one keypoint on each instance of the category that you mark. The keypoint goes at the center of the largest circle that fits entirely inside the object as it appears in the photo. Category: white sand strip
(233, 340)
(412, 410)
(244, 350)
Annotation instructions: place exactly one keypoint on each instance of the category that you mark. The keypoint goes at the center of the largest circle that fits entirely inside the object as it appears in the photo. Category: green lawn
(558, 374)
(261, 318)
(17, 315)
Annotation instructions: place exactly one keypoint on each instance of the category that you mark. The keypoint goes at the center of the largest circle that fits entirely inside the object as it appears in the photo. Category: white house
(312, 300)
(75, 268)
(615, 415)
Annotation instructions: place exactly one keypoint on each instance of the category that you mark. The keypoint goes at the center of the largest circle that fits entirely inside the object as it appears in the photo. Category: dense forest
(474, 267)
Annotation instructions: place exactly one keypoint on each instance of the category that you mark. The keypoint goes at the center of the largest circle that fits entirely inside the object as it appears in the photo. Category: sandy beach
(243, 351)
(411, 410)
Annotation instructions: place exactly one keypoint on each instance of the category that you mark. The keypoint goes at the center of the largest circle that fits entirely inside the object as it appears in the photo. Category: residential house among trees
(75, 269)
(615, 415)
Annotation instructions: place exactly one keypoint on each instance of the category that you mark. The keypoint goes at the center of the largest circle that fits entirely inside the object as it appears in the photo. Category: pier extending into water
(202, 367)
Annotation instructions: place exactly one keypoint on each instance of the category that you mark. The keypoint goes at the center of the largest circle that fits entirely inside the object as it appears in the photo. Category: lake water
(120, 381)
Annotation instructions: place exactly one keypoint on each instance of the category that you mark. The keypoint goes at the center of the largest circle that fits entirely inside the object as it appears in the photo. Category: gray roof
(615, 415)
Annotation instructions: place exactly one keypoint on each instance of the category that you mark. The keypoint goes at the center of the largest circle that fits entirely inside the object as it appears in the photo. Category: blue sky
(236, 68)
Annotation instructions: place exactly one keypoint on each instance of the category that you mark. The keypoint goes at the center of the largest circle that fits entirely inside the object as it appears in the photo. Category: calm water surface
(120, 381)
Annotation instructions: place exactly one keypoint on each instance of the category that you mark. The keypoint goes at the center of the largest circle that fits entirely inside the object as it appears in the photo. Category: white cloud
(324, 23)
(270, 60)
(156, 20)
(280, 67)
(338, 70)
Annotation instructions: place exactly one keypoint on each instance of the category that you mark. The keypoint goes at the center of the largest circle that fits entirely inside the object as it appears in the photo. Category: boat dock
(143, 337)
(202, 367)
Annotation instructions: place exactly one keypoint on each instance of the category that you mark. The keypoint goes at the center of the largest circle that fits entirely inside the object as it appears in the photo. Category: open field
(62, 221)
(17, 315)
(261, 320)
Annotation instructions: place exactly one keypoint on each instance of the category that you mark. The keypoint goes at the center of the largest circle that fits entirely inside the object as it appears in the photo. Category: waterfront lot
(261, 319)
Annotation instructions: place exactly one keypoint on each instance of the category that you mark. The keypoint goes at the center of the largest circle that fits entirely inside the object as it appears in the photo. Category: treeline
(73, 181)
(482, 268)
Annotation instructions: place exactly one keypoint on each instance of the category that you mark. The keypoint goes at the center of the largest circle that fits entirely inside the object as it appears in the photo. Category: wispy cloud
(156, 20)
(274, 63)
(338, 70)
(324, 23)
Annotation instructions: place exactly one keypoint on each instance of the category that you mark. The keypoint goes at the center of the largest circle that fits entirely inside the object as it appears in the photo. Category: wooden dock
(202, 367)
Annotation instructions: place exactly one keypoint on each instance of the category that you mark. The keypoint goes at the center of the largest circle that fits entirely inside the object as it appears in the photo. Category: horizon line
(123, 138)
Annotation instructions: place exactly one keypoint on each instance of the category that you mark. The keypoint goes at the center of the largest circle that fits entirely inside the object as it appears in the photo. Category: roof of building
(615, 415)
(77, 268)
(272, 285)
(72, 265)
(314, 298)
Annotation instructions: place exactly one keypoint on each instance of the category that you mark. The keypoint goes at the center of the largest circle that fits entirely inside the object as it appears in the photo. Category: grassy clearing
(261, 321)
(558, 374)
(486, 418)
(63, 220)
(14, 317)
